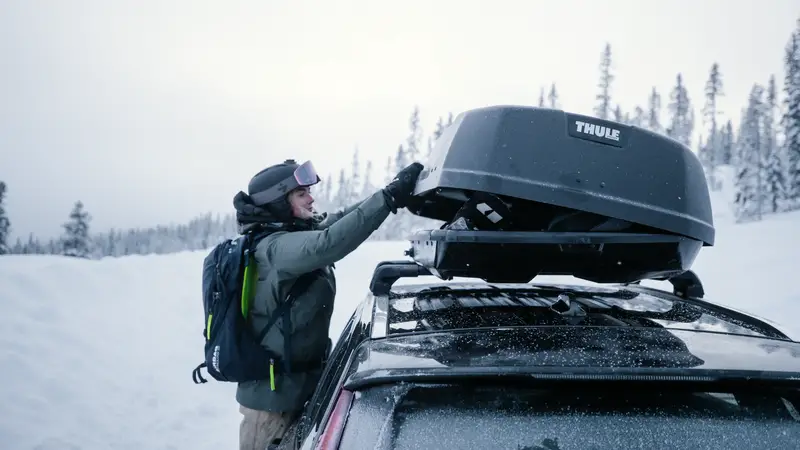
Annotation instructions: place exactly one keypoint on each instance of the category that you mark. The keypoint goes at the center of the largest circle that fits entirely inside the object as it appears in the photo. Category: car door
(309, 423)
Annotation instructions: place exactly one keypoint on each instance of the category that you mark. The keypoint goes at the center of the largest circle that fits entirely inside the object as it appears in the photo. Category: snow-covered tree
(726, 143)
(342, 197)
(542, 103)
(775, 167)
(653, 118)
(552, 97)
(414, 141)
(389, 170)
(638, 119)
(441, 125)
(323, 197)
(354, 185)
(367, 187)
(5, 223)
(603, 108)
(710, 153)
(681, 113)
(791, 117)
(748, 161)
(618, 116)
(76, 241)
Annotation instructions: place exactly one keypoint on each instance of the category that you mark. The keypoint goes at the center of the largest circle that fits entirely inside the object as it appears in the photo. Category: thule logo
(597, 130)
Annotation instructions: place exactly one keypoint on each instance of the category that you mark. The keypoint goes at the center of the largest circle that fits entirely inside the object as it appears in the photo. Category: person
(299, 242)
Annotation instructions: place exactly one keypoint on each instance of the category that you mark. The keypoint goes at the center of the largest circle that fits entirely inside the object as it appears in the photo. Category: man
(299, 243)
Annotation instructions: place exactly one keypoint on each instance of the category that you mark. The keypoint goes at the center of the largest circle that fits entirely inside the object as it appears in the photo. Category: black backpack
(232, 352)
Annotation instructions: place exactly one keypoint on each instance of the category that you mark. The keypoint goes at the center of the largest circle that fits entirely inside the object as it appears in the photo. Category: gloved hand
(402, 186)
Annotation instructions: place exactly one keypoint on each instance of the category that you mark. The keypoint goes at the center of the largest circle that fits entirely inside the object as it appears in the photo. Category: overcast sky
(156, 111)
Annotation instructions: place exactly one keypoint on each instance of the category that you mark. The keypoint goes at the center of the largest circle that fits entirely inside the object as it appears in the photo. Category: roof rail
(386, 273)
(687, 284)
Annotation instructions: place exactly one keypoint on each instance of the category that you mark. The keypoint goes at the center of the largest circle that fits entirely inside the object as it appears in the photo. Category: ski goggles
(304, 175)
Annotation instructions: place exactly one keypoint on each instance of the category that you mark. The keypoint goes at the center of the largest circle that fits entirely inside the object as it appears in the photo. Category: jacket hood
(250, 217)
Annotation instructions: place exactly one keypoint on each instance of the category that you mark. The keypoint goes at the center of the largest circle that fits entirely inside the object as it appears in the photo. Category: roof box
(583, 196)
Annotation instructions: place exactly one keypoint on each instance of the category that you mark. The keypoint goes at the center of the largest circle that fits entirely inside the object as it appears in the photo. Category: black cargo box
(581, 196)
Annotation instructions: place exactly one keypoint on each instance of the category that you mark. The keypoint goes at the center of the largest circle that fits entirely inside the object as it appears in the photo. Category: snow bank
(98, 354)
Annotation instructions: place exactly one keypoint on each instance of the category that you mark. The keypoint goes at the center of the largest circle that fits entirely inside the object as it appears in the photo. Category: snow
(98, 354)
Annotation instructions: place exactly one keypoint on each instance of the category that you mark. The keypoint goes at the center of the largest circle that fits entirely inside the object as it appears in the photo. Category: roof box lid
(545, 163)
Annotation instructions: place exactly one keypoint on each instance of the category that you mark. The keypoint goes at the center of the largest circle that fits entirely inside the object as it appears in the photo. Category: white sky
(156, 111)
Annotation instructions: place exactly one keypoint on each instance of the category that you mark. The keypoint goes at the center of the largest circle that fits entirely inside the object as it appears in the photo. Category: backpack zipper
(272, 374)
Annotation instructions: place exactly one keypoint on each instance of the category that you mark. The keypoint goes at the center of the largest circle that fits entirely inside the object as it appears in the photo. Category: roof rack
(686, 284)
(520, 256)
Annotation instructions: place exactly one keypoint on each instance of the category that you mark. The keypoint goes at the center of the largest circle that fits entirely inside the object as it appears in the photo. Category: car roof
(452, 326)
(597, 298)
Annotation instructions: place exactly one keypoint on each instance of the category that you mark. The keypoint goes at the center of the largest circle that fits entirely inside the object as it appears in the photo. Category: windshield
(415, 416)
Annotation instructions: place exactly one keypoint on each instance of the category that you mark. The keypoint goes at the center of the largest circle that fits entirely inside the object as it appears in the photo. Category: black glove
(400, 189)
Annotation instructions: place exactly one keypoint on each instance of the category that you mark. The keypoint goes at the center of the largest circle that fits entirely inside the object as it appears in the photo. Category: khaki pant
(259, 428)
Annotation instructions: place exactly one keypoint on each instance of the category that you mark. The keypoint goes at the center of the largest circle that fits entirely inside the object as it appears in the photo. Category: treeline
(763, 150)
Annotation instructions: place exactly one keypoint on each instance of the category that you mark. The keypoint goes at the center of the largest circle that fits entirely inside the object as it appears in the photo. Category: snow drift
(98, 354)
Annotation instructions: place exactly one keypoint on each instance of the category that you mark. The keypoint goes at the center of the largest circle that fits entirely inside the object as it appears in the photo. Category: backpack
(232, 352)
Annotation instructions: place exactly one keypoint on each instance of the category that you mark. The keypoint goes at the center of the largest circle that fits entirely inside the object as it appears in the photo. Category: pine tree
(552, 97)
(33, 246)
(400, 161)
(435, 135)
(342, 197)
(639, 118)
(791, 117)
(5, 224)
(390, 171)
(774, 171)
(18, 248)
(367, 188)
(76, 241)
(682, 115)
(327, 195)
(414, 140)
(654, 112)
(603, 108)
(354, 186)
(541, 97)
(710, 154)
(748, 182)
(618, 116)
(726, 145)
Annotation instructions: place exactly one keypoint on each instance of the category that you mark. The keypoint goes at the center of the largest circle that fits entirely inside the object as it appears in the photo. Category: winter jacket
(281, 258)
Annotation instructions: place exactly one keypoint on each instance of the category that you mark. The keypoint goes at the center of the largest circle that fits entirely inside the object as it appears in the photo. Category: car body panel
(369, 350)
(567, 349)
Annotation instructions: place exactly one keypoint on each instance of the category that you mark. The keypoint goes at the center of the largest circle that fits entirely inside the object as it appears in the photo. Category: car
(552, 366)
(489, 355)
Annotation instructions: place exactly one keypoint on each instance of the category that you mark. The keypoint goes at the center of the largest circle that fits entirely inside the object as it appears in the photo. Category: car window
(414, 416)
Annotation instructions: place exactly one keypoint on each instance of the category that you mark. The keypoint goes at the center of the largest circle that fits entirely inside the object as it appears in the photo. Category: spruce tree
(748, 164)
(653, 119)
(603, 108)
(774, 167)
(681, 122)
(791, 118)
(76, 241)
(710, 154)
(5, 224)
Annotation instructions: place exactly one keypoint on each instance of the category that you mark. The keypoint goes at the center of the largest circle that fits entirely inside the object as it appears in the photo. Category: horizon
(130, 109)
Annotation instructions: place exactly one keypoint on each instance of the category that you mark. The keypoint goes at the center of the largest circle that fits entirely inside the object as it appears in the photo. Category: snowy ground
(98, 354)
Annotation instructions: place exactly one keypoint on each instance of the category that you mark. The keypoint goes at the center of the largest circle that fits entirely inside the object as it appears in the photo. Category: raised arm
(300, 252)
(332, 218)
